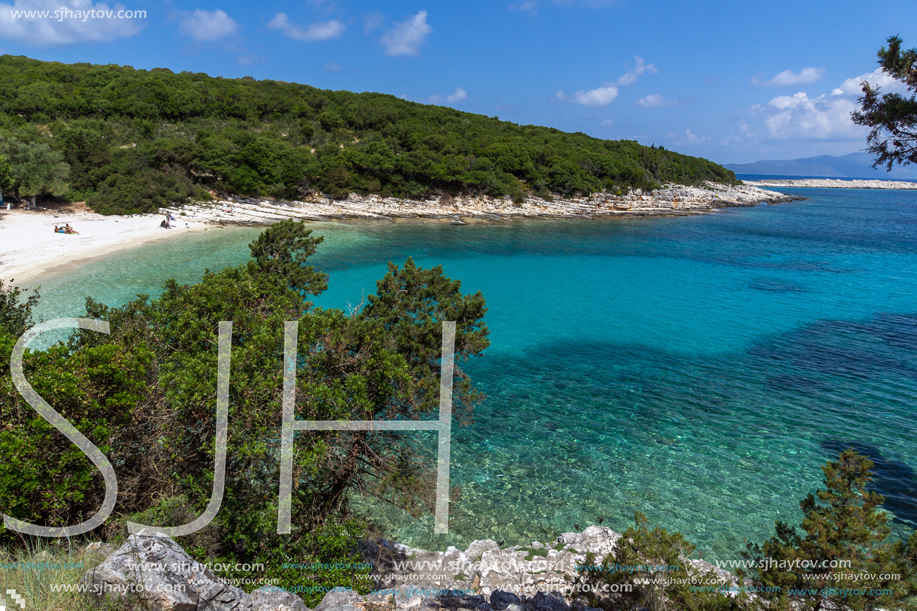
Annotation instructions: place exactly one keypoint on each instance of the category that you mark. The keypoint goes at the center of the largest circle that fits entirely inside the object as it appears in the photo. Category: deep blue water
(696, 369)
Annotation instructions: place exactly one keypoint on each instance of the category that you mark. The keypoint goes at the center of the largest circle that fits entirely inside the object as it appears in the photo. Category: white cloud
(248, 60)
(407, 36)
(876, 78)
(821, 118)
(788, 78)
(688, 138)
(457, 96)
(606, 94)
(373, 21)
(654, 100)
(607, 122)
(453, 98)
(323, 30)
(632, 75)
(806, 117)
(529, 6)
(331, 67)
(600, 96)
(207, 26)
(63, 28)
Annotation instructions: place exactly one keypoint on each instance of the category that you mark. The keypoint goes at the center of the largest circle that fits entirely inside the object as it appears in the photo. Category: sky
(733, 81)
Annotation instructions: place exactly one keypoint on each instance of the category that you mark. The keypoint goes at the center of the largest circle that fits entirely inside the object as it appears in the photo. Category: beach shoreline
(30, 250)
(833, 183)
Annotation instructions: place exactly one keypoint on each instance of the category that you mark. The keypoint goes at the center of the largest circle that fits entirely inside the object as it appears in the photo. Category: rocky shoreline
(153, 570)
(834, 183)
(672, 200)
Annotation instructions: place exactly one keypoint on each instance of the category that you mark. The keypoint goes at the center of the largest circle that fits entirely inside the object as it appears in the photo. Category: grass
(34, 570)
(531, 552)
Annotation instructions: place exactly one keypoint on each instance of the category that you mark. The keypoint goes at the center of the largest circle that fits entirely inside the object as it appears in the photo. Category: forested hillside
(130, 140)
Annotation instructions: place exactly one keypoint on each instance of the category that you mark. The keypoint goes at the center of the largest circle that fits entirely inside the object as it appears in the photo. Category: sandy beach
(29, 248)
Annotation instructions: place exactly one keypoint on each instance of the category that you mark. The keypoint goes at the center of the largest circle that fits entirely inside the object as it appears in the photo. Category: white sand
(29, 248)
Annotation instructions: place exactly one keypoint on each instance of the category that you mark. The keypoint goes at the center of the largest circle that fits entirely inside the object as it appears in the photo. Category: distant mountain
(854, 165)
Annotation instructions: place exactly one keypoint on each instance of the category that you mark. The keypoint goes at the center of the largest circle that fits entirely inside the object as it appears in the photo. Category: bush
(653, 565)
(844, 522)
(145, 396)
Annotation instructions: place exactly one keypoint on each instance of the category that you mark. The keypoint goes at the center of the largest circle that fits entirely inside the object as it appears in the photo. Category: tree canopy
(137, 139)
(892, 116)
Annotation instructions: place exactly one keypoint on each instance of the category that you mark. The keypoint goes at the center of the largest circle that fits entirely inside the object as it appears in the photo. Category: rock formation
(153, 570)
(671, 200)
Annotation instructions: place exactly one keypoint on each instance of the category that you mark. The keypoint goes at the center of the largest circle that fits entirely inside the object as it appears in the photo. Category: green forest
(128, 141)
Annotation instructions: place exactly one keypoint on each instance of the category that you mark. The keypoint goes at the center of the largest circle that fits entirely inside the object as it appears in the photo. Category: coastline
(834, 183)
(32, 250)
(671, 200)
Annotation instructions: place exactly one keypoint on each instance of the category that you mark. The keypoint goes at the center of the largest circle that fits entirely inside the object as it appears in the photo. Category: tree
(841, 524)
(892, 116)
(283, 250)
(37, 170)
(651, 569)
(6, 176)
(410, 305)
(16, 313)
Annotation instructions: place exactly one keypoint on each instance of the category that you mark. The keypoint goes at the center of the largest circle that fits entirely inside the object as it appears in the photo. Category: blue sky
(733, 81)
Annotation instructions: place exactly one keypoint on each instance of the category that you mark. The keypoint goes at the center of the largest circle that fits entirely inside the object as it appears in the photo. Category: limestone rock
(339, 597)
(153, 570)
(270, 598)
(500, 600)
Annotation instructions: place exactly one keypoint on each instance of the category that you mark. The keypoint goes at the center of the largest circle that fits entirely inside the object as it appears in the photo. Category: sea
(699, 369)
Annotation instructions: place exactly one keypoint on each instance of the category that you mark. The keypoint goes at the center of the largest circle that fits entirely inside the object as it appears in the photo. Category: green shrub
(842, 523)
(656, 573)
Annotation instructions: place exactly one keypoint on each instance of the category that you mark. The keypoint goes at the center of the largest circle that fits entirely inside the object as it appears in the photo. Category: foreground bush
(146, 393)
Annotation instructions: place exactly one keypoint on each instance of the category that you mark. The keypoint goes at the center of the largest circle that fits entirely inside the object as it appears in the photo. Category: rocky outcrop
(485, 568)
(151, 569)
(834, 183)
(671, 200)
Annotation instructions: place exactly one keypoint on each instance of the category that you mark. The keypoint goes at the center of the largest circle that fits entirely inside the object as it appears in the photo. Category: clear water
(698, 370)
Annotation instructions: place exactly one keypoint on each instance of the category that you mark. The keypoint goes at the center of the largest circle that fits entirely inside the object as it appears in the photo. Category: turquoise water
(697, 369)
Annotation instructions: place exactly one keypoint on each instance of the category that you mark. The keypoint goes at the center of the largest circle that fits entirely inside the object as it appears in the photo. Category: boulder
(500, 600)
(552, 601)
(272, 598)
(153, 572)
(337, 598)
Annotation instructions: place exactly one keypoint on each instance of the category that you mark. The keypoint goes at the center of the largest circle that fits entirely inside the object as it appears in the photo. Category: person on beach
(69, 229)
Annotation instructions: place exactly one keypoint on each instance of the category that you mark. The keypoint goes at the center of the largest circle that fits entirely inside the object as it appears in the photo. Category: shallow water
(698, 370)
